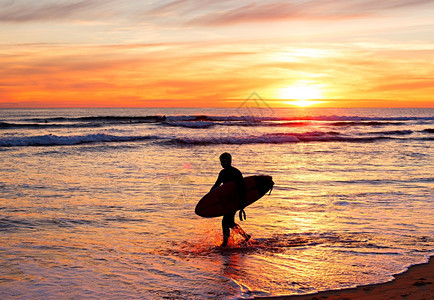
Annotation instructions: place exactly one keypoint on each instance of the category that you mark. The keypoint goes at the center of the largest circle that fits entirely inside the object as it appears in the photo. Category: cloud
(198, 12)
(411, 84)
(108, 72)
(296, 10)
(169, 8)
(23, 11)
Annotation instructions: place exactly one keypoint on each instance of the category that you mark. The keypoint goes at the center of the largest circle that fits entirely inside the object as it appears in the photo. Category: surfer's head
(225, 160)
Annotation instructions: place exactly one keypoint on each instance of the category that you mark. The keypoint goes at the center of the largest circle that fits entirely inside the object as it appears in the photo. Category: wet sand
(416, 283)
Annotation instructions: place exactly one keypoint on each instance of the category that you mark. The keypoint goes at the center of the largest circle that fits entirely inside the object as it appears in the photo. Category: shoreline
(416, 283)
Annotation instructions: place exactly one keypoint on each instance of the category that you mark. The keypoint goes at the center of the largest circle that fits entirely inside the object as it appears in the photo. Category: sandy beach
(416, 283)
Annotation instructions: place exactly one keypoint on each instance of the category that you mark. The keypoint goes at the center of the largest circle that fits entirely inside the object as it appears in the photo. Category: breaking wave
(270, 138)
(393, 132)
(54, 140)
(204, 121)
(278, 138)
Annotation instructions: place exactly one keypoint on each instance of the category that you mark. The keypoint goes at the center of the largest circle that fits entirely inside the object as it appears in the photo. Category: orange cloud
(116, 76)
(206, 75)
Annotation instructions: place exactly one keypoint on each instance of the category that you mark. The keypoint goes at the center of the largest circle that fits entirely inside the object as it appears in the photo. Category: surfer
(229, 173)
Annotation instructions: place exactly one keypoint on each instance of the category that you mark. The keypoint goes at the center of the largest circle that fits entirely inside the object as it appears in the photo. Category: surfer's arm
(218, 182)
(241, 184)
(243, 194)
(242, 189)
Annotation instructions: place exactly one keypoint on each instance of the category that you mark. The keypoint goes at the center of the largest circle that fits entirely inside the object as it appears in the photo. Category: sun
(301, 95)
(302, 103)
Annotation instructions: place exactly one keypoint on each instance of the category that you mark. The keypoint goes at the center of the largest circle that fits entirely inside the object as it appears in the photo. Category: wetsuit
(226, 175)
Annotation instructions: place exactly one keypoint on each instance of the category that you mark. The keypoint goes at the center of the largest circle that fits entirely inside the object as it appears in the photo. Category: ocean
(99, 203)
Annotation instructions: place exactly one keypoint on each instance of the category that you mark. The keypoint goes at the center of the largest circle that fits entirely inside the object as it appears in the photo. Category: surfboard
(225, 198)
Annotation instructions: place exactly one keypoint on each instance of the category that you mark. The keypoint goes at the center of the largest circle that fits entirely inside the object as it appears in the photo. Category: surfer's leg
(226, 225)
(237, 228)
(230, 221)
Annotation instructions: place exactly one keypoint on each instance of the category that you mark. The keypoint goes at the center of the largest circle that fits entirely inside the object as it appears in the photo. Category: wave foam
(279, 138)
(206, 121)
(190, 124)
(54, 140)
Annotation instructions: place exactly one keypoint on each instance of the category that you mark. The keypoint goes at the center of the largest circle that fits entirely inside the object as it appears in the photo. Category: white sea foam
(50, 140)
(279, 138)
(190, 124)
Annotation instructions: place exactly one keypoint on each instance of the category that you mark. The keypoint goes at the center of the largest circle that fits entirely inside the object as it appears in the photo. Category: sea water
(99, 203)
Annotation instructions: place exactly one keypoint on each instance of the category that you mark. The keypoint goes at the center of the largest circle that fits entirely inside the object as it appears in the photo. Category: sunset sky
(135, 53)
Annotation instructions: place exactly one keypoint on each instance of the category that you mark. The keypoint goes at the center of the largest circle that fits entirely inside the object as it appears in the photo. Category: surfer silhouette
(229, 173)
